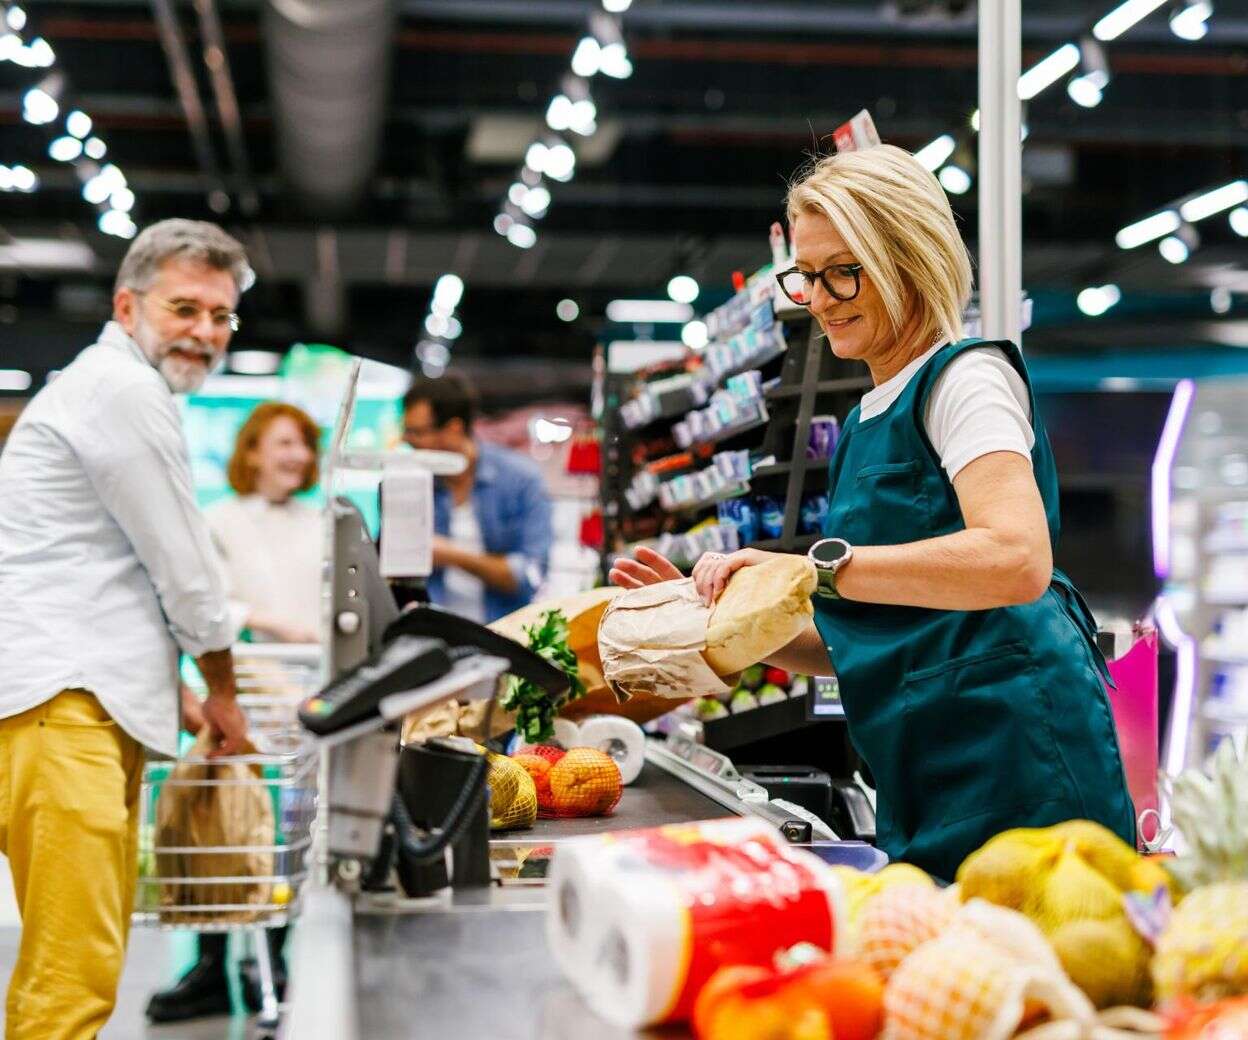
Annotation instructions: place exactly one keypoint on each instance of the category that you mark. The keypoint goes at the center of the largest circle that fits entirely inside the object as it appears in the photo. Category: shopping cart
(241, 888)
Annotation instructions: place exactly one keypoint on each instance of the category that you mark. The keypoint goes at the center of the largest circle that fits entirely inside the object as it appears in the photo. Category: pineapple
(1203, 952)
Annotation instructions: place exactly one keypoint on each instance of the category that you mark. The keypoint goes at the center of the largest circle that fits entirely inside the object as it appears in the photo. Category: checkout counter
(468, 956)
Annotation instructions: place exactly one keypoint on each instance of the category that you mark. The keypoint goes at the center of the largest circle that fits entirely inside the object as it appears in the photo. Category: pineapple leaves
(1209, 808)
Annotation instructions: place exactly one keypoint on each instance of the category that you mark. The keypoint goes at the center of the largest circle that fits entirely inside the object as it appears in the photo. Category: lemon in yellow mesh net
(990, 974)
(513, 797)
(898, 920)
(1071, 880)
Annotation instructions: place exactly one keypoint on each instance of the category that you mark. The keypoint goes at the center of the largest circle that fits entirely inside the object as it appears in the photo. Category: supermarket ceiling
(355, 191)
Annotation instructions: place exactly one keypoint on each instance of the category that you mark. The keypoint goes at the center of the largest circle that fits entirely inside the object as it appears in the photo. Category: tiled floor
(148, 967)
(154, 960)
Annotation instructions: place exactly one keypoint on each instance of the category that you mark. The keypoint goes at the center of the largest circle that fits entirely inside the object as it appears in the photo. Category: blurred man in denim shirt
(492, 531)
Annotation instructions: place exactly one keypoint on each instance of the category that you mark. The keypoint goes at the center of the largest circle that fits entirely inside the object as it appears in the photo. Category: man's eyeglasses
(189, 312)
(840, 281)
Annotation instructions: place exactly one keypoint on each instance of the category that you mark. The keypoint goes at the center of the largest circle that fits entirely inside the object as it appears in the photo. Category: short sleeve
(979, 404)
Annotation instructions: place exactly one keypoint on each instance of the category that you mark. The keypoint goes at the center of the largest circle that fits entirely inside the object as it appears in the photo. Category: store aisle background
(154, 961)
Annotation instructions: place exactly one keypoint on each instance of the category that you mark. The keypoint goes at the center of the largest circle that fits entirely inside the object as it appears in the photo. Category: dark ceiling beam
(1190, 61)
(217, 61)
(821, 53)
(182, 74)
(1136, 126)
(816, 17)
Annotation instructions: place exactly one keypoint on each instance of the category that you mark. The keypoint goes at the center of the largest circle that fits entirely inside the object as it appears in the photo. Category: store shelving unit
(1200, 530)
(811, 382)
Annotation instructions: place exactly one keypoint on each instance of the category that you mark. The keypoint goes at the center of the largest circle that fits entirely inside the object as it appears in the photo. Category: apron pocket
(980, 727)
(888, 505)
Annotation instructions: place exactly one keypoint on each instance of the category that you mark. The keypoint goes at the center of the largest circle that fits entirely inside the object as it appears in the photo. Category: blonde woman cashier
(968, 666)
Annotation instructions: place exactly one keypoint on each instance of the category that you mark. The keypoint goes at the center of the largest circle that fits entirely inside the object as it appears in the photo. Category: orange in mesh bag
(233, 812)
(538, 767)
(584, 782)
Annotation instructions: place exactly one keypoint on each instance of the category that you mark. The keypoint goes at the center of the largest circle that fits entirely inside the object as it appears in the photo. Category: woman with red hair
(269, 541)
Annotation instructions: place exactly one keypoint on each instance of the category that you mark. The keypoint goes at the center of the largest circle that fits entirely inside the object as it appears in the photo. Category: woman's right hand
(649, 568)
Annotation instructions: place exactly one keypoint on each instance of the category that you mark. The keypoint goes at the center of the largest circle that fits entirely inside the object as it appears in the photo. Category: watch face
(827, 552)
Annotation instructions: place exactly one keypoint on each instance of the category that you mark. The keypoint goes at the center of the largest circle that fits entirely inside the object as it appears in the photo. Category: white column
(1000, 271)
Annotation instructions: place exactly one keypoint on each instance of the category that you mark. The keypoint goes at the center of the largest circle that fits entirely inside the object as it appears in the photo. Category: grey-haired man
(106, 572)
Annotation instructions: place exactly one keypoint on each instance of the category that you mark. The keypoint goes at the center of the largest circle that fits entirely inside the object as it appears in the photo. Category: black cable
(426, 849)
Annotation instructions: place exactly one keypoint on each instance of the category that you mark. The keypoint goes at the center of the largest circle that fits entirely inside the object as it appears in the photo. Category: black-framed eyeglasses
(840, 281)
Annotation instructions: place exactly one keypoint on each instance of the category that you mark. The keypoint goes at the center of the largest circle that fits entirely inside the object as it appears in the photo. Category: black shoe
(202, 991)
(249, 976)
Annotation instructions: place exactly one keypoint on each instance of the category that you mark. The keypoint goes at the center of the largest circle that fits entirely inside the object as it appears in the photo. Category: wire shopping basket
(251, 881)
(224, 844)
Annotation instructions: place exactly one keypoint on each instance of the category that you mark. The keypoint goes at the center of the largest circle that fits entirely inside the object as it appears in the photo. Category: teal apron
(972, 722)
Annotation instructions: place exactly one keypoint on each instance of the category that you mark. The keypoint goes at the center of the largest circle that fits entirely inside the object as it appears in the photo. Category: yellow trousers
(69, 824)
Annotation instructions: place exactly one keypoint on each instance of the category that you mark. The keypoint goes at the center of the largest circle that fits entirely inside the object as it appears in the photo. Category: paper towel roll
(572, 924)
(567, 733)
(639, 920)
(618, 737)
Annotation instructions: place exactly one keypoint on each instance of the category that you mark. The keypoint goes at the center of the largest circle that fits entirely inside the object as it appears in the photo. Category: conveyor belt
(475, 964)
(473, 969)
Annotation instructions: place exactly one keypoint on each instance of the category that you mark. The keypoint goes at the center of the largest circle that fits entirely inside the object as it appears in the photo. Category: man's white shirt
(106, 563)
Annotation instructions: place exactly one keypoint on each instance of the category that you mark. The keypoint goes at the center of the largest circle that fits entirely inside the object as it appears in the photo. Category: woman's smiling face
(857, 329)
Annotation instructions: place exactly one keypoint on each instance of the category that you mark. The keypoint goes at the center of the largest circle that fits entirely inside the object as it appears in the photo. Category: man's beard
(183, 376)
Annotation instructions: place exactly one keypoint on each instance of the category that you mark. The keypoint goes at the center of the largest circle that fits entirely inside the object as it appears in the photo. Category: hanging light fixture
(1189, 20)
(1087, 87)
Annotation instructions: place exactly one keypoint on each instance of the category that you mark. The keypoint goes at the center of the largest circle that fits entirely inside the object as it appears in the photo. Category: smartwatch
(829, 555)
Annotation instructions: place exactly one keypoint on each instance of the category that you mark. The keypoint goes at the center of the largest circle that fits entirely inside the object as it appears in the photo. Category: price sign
(857, 134)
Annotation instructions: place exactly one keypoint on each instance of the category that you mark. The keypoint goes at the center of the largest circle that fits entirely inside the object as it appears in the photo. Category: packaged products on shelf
(824, 433)
(740, 513)
(770, 517)
(814, 509)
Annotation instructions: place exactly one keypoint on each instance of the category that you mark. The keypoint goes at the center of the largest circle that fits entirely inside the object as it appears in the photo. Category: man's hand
(192, 710)
(226, 724)
(225, 720)
(491, 568)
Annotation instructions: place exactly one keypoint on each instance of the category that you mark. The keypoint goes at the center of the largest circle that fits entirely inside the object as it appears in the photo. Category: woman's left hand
(712, 571)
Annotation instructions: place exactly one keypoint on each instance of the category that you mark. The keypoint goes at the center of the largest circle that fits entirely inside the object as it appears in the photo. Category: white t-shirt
(271, 554)
(465, 593)
(978, 405)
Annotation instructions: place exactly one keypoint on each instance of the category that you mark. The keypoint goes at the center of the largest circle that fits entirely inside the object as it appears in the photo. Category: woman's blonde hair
(895, 218)
(241, 473)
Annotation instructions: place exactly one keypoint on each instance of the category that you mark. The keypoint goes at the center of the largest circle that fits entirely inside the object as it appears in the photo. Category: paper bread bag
(661, 640)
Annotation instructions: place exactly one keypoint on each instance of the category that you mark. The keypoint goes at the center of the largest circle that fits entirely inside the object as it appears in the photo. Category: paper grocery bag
(234, 818)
